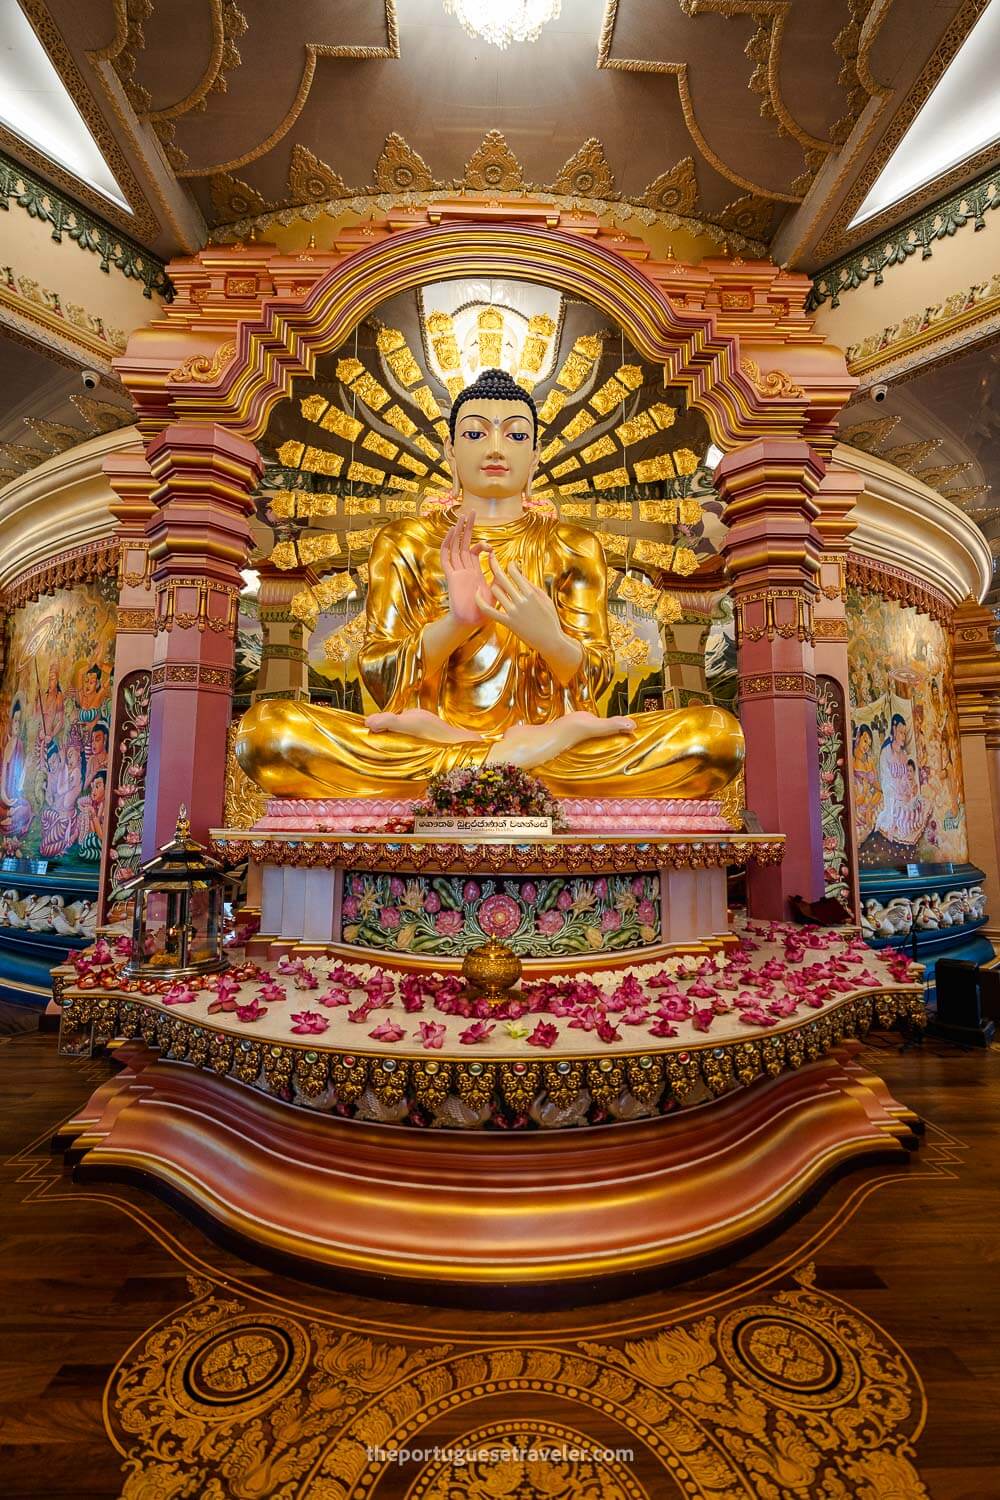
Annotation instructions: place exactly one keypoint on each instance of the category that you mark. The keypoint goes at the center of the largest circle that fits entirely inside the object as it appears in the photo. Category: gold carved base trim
(572, 854)
(333, 1196)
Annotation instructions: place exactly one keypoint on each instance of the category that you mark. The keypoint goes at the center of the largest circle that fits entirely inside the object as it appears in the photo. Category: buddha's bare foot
(529, 745)
(590, 726)
(423, 725)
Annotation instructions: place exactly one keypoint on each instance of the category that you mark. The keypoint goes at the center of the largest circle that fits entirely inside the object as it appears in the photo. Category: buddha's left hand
(528, 612)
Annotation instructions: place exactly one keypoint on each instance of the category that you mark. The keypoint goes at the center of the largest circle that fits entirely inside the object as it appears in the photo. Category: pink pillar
(772, 550)
(199, 541)
(128, 474)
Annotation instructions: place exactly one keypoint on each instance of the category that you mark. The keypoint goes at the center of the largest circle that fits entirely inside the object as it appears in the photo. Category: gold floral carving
(44, 307)
(136, 621)
(141, 221)
(78, 565)
(310, 179)
(750, 216)
(586, 174)
(674, 192)
(561, 1470)
(234, 199)
(402, 853)
(785, 1390)
(778, 685)
(679, 71)
(314, 51)
(402, 174)
(830, 630)
(653, 1076)
(203, 368)
(770, 383)
(228, 22)
(244, 802)
(400, 169)
(860, 183)
(896, 584)
(963, 310)
(191, 675)
(733, 801)
(493, 167)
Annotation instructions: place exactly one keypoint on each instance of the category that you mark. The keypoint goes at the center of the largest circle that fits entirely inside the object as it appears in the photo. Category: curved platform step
(484, 1209)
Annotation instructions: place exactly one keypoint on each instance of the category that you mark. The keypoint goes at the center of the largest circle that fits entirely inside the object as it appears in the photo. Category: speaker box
(968, 1002)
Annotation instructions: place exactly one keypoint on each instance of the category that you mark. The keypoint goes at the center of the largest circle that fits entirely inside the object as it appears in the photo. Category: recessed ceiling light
(35, 105)
(960, 118)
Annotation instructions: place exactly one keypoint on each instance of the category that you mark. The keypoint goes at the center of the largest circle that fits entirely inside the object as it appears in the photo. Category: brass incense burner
(491, 969)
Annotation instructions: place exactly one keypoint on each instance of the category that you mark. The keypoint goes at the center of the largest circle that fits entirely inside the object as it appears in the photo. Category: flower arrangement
(503, 790)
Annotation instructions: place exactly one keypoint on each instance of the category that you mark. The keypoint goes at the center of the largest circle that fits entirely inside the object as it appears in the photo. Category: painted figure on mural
(64, 769)
(15, 813)
(900, 660)
(53, 705)
(91, 812)
(487, 641)
(91, 694)
(904, 812)
(867, 789)
(97, 753)
(55, 737)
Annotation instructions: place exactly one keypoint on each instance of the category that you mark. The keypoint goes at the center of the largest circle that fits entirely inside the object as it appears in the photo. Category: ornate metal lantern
(177, 926)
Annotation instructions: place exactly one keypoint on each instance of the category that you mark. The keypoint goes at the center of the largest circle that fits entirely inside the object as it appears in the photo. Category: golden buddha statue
(487, 641)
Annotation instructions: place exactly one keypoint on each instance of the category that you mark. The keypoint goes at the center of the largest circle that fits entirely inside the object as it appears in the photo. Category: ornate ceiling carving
(721, 111)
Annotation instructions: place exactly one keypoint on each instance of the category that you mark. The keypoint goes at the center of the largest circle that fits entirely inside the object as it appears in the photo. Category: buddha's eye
(473, 433)
(519, 437)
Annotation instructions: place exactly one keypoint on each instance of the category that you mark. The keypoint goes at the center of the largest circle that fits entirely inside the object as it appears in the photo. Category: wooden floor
(89, 1270)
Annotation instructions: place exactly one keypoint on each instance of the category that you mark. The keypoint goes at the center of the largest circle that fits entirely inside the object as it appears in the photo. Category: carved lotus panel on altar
(541, 917)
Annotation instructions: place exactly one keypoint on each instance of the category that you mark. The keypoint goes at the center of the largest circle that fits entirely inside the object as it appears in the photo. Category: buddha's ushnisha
(486, 641)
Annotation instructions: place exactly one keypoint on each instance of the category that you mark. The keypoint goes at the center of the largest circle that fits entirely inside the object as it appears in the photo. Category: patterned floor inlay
(786, 1394)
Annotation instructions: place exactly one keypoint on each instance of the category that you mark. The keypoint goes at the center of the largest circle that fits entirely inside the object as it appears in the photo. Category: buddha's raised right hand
(462, 572)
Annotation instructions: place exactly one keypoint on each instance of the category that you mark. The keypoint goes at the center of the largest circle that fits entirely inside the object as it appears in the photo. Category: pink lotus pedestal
(583, 815)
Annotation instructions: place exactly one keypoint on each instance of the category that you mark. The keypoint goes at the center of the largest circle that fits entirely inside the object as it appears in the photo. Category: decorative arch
(249, 319)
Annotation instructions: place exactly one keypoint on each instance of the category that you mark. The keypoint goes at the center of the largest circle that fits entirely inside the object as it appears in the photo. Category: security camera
(879, 392)
(91, 379)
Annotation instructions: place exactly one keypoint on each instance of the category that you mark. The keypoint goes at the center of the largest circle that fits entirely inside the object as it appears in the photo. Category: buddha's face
(494, 453)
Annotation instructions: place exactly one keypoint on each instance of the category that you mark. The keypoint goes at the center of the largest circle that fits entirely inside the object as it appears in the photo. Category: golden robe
(489, 684)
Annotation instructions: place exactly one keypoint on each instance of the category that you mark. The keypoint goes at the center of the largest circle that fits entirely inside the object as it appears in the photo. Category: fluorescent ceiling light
(35, 105)
(960, 118)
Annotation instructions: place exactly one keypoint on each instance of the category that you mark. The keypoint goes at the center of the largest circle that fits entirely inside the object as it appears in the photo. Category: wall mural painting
(55, 716)
(908, 794)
